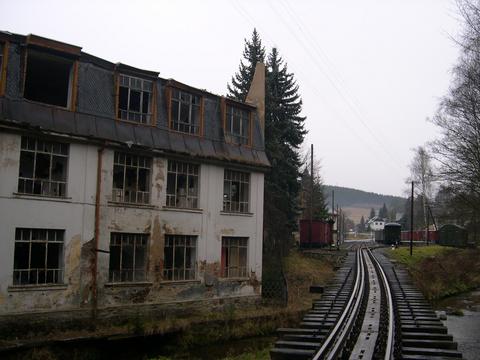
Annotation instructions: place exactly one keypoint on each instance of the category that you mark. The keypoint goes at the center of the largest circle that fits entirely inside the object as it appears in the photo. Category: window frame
(231, 137)
(47, 143)
(231, 179)
(240, 271)
(144, 239)
(170, 89)
(150, 116)
(119, 194)
(172, 200)
(4, 46)
(72, 77)
(173, 238)
(58, 273)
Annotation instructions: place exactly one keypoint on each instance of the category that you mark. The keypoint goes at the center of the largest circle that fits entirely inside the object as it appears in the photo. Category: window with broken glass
(237, 125)
(234, 257)
(236, 191)
(185, 112)
(48, 78)
(131, 178)
(43, 167)
(38, 257)
(180, 256)
(182, 185)
(135, 99)
(128, 257)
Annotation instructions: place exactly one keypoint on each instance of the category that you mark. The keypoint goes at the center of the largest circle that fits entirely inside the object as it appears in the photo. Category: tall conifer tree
(253, 52)
(284, 133)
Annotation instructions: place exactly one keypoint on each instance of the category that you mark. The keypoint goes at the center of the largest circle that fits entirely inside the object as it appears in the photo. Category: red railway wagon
(420, 235)
(322, 233)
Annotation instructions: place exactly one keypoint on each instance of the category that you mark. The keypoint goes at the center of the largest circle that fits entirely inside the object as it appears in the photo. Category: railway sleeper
(431, 352)
(438, 344)
(297, 344)
(291, 354)
(424, 329)
(426, 336)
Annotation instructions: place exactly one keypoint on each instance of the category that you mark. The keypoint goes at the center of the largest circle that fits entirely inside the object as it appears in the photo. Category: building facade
(119, 187)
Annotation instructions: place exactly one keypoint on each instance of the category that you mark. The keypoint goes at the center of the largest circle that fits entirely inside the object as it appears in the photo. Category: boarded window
(128, 257)
(236, 191)
(135, 99)
(185, 112)
(234, 257)
(237, 125)
(180, 255)
(43, 167)
(182, 185)
(38, 257)
(47, 78)
(131, 178)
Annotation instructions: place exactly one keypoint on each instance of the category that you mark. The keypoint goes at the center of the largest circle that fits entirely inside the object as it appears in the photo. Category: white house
(119, 187)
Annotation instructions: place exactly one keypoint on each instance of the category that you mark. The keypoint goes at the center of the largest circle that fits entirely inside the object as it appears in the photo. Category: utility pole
(311, 194)
(428, 230)
(411, 222)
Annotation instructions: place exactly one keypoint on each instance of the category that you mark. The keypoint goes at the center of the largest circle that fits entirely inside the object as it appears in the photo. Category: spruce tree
(284, 133)
(253, 52)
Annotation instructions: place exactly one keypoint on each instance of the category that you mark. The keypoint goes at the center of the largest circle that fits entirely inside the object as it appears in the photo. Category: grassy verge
(440, 271)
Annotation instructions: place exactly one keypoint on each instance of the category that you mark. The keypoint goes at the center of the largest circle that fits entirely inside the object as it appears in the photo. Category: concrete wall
(76, 215)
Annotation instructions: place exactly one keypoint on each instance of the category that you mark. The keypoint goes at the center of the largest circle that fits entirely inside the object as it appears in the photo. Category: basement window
(237, 125)
(43, 167)
(48, 78)
(180, 255)
(234, 257)
(236, 190)
(135, 99)
(128, 257)
(185, 112)
(182, 185)
(38, 258)
(131, 178)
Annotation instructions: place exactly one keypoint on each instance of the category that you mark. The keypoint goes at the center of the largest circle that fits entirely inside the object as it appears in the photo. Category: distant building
(376, 223)
(119, 187)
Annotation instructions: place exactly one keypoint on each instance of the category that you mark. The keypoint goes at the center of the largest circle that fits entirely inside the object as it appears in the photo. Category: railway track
(370, 311)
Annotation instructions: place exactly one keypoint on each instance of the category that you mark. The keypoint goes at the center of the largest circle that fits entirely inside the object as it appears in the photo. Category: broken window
(38, 257)
(234, 256)
(128, 257)
(135, 99)
(47, 78)
(180, 255)
(236, 191)
(185, 112)
(182, 185)
(131, 178)
(237, 125)
(43, 167)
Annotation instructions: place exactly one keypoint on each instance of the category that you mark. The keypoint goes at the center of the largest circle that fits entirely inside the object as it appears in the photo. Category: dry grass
(302, 271)
(441, 271)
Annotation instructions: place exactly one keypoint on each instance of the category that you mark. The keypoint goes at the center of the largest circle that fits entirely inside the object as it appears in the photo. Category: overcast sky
(370, 72)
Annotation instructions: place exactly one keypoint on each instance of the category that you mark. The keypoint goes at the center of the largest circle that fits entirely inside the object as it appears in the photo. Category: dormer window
(135, 99)
(237, 125)
(48, 78)
(185, 112)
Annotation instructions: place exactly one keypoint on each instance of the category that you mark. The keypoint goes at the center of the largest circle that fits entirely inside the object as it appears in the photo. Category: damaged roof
(19, 113)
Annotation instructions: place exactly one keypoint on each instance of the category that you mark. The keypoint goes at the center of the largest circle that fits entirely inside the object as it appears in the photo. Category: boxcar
(391, 233)
(320, 234)
(452, 235)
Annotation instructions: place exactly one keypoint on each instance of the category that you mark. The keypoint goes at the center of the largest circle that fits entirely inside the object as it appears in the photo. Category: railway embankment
(438, 271)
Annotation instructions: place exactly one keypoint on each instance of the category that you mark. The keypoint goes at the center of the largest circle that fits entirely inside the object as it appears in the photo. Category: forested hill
(347, 197)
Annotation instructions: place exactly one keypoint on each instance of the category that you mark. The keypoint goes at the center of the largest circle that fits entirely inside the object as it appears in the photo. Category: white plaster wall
(76, 214)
